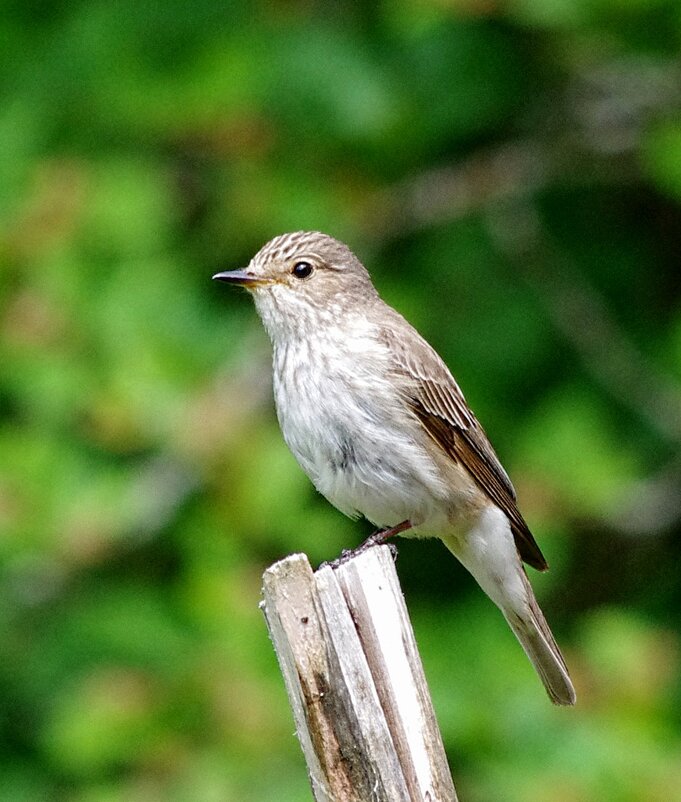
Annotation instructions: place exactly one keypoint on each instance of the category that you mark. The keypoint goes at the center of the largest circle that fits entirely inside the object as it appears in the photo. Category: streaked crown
(320, 249)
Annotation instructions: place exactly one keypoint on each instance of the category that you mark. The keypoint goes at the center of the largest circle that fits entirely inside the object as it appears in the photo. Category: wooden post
(355, 681)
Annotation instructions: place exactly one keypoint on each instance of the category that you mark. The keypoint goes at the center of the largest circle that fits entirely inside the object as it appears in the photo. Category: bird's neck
(331, 325)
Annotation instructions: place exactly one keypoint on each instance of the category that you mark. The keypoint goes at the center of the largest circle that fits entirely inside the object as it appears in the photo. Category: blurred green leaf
(662, 157)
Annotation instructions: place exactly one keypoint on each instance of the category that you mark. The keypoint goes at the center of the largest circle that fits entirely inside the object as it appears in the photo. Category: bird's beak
(240, 277)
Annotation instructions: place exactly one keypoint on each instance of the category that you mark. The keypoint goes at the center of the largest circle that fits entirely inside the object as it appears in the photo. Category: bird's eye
(302, 269)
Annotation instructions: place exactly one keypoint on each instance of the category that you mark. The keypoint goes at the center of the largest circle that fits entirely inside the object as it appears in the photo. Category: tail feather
(540, 646)
(488, 551)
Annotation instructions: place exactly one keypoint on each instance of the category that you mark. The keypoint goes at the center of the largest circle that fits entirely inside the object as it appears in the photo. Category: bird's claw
(345, 555)
(377, 539)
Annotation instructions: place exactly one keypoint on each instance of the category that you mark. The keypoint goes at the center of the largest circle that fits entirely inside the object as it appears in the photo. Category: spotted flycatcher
(378, 423)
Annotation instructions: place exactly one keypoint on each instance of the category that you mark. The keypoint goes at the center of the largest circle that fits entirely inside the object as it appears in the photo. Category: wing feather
(438, 402)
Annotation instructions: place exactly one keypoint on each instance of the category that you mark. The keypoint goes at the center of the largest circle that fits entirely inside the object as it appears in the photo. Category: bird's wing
(441, 407)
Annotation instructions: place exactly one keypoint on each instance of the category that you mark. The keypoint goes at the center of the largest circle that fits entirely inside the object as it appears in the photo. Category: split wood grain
(355, 681)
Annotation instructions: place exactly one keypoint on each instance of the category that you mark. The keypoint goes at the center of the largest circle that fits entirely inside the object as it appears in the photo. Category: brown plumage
(441, 407)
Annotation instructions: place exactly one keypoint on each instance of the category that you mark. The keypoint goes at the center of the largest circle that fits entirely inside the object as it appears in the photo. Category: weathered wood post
(355, 681)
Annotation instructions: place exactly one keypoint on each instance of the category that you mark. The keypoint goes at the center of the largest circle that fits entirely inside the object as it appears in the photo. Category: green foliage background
(511, 174)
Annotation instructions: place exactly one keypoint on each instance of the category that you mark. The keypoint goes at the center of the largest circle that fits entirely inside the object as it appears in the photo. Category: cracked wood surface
(355, 681)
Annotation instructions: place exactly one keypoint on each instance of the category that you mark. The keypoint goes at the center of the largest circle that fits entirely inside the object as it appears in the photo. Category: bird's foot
(376, 539)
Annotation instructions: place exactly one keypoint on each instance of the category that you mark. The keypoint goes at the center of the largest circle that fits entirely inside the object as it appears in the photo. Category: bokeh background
(511, 174)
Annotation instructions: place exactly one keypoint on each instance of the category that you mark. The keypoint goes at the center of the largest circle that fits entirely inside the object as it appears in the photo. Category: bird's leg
(375, 539)
(380, 536)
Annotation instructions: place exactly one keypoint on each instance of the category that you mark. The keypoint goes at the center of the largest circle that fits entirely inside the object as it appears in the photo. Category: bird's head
(302, 279)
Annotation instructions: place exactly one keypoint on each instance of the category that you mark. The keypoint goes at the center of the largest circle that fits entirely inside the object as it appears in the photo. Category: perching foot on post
(378, 538)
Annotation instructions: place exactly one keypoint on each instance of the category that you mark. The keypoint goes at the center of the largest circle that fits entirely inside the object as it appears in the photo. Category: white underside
(488, 551)
(356, 441)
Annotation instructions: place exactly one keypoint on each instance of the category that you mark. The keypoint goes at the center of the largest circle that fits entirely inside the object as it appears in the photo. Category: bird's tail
(540, 646)
(489, 553)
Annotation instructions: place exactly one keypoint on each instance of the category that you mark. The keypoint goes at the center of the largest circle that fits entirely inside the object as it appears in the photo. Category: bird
(377, 421)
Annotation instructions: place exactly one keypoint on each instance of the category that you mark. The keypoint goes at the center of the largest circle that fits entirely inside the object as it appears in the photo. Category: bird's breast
(346, 424)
